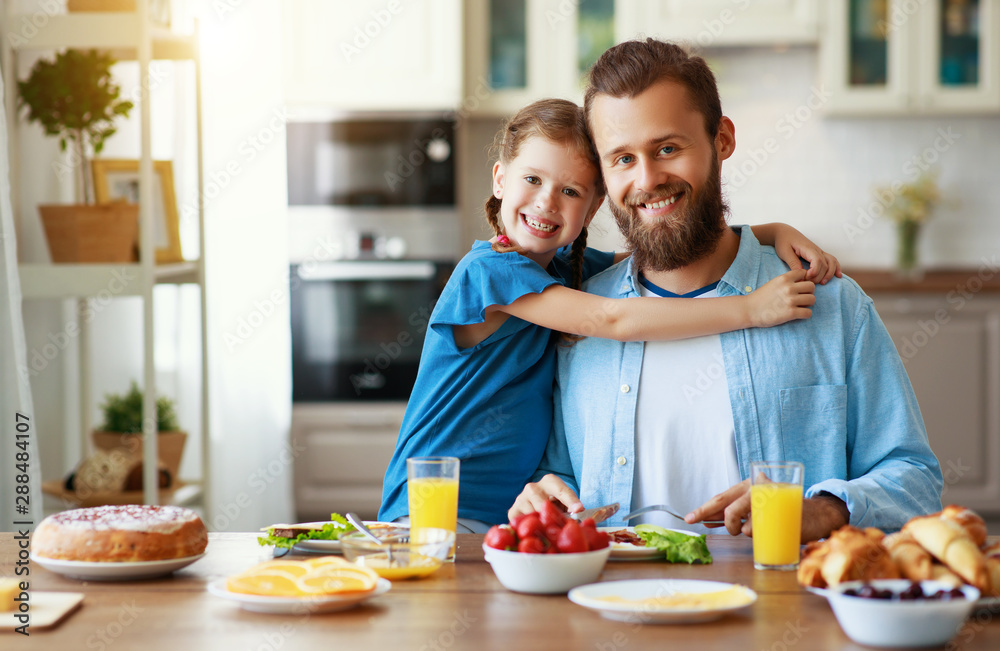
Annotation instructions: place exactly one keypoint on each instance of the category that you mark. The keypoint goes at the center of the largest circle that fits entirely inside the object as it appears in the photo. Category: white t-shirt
(685, 450)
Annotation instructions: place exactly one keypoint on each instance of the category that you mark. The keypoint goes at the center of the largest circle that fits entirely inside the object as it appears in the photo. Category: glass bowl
(403, 554)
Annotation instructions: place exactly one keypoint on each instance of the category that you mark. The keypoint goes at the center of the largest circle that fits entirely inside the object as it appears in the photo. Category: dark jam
(912, 593)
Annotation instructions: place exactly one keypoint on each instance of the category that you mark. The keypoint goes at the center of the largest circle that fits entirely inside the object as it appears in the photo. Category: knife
(600, 513)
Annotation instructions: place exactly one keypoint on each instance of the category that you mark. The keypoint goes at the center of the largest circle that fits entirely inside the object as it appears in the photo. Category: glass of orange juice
(776, 512)
(432, 490)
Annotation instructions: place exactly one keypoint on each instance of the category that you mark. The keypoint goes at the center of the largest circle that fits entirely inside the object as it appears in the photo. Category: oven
(358, 327)
(373, 235)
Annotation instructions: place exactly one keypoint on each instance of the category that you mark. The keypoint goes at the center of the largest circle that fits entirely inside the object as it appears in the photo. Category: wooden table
(462, 606)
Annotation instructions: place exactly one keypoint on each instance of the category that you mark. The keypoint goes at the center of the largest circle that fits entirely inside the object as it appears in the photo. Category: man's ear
(498, 172)
(725, 139)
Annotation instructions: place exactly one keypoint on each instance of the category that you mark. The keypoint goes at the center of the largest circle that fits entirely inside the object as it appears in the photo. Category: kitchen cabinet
(947, 331)
(900, 57)
(718, 23)
(371, 55)
(341, 452)
(129, 35)
(519, 51)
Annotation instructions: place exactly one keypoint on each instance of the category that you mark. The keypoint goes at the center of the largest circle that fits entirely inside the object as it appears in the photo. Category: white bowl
(545, 573)
(894, 623)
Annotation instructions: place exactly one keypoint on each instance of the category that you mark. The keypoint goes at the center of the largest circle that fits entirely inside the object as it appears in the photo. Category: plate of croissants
(949, 546)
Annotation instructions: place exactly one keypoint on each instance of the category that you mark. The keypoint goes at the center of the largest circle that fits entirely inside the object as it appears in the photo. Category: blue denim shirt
(829, 391)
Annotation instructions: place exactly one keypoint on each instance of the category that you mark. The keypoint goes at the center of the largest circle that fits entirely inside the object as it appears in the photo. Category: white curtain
(20, 492)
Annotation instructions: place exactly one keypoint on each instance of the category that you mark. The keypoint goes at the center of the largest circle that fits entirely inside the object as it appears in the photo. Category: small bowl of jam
(901, 613)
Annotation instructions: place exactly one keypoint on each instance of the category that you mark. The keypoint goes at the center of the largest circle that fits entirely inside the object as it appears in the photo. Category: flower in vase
(909, 206)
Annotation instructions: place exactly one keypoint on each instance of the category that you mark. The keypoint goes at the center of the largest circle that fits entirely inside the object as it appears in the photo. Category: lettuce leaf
(679, 547)
(338, 525)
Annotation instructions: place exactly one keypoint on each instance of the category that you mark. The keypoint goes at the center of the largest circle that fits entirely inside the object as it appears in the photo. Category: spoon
(360, 526)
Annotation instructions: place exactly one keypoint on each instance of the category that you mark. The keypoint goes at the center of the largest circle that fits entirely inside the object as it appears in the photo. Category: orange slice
(294, 568)
(273, 584)
(326, 561)
(337, 580)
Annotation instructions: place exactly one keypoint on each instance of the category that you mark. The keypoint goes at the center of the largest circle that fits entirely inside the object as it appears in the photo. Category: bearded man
(679, 422)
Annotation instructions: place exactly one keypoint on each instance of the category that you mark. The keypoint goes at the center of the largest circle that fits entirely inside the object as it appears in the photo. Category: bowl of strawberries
(545, 552)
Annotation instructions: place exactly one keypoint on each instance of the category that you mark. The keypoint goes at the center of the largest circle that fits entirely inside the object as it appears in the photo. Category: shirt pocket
(814, 429)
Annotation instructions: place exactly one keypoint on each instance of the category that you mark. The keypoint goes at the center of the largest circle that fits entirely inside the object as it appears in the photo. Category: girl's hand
(793, 247)
(786, 297)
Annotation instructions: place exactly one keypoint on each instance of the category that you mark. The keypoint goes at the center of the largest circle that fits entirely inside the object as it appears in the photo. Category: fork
(666, 509)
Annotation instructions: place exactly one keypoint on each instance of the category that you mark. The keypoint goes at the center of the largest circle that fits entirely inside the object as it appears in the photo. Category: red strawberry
(550, 515)
(501, 536)
(596, 539)
(530, 526)
(531, 545)
(571, 538)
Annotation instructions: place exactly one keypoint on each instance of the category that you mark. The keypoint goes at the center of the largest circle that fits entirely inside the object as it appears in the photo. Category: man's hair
(629, 68)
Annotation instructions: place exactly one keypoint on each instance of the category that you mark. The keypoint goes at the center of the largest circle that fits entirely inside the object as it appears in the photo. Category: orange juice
(433, 502)
(776, 510)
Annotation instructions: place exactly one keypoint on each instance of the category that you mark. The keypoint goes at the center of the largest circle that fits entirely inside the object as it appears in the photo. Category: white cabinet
(948, 336)
(718, 23)
(523, 50)
(905, 57)
(341, 453)
(372, 54)
(129, 35)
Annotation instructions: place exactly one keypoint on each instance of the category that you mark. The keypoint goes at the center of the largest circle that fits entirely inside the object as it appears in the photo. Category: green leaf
(338, 525)
(678, 547)
(74, 92)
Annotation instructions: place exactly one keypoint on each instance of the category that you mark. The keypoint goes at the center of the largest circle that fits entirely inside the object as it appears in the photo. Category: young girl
(483, 392)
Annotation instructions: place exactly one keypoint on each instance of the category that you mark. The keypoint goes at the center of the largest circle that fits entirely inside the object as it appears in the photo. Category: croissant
(951, 543)
(941, 573)
(811, 565)
(969, 519)
(913, 561)
(856, 555)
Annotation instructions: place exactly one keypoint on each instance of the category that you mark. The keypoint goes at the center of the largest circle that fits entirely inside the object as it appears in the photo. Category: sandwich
(288, 535)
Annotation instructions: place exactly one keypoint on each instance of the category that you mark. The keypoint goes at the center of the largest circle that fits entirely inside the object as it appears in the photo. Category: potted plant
(122, 429)
(75, 98)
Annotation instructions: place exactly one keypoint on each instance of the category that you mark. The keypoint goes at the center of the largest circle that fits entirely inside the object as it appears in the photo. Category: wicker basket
(100, 5)
(82, 233)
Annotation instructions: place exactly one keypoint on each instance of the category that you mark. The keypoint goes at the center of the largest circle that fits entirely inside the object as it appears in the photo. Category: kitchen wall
(795, 165)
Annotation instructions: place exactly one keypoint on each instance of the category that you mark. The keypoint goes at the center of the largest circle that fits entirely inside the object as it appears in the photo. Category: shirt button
(621, 461)
(625, 388)
(748, 288)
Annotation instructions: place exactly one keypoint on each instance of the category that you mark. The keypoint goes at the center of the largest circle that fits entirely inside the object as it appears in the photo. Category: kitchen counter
(985, 277)
(462, 606)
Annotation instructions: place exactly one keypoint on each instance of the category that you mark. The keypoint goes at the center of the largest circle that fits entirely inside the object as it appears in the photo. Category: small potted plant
(122, 429)
(75, 98)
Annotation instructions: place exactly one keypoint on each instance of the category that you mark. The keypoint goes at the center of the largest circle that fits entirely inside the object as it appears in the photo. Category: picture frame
(117, 179)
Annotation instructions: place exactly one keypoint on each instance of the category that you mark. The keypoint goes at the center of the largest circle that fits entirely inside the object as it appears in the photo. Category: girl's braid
(576, 279)
(493, 217)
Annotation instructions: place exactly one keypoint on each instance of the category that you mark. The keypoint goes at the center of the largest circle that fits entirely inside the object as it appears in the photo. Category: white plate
(333, 546)
(296, 605)
(591, 596)
(113, 571)
(630, 552)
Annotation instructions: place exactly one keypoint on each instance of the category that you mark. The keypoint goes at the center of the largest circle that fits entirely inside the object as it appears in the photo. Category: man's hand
(821, 515)
(535, 495)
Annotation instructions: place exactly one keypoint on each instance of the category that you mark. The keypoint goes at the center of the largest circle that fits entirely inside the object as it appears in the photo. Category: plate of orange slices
(317, 585)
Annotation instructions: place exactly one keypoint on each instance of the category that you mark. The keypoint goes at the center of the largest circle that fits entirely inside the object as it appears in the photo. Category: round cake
(120, 534)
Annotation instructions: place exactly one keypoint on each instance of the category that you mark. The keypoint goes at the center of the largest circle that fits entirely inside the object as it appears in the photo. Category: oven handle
(367, 271)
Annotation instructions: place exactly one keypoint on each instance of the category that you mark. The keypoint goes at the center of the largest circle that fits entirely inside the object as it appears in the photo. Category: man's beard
(680, 238)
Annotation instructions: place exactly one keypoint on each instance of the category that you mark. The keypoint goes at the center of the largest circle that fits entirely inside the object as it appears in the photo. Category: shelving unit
(128, 36)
